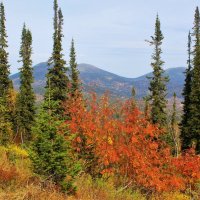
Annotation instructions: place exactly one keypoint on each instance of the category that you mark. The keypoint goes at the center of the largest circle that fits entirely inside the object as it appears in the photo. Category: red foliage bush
(126, 144)
(188, 165)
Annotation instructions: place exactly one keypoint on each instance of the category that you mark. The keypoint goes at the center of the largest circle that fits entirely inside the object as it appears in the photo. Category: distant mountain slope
(95, 79)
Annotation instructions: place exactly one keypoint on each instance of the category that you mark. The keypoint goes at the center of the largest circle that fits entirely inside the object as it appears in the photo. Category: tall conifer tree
(185, 129)
(57, 80)
(157, 86)
(194, 120)
(5, 83)
(26, 97)
(75, 82)
(4, 66)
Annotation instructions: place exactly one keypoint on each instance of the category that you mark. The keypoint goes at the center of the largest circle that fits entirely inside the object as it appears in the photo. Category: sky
(109, 34)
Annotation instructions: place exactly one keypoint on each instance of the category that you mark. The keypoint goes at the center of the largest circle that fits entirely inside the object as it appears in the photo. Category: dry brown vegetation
(17, 182)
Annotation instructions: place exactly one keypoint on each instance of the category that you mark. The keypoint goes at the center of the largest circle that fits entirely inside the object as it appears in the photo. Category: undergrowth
(17, 182)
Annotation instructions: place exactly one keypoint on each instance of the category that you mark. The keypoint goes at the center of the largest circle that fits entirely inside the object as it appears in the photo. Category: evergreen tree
(194, 120)
(185, 129)
(4, 66)
(26, 97)
(57, 80)
(51, 154)
(6, 126)
(75, 82)
(158, 81)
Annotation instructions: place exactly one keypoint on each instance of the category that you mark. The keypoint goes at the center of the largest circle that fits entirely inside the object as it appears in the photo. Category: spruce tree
(75, 82)
(185, 129)
(6, 127)
(26, 97)
(157, 86)
(57, 80)
(4, 66)
(52, 155)
(194, 120)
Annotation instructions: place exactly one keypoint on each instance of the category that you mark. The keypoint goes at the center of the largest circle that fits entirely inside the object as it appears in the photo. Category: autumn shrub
(124, 144)
(188, 166)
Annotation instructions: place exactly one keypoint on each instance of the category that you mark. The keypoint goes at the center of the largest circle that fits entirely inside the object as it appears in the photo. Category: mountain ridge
(100, 81)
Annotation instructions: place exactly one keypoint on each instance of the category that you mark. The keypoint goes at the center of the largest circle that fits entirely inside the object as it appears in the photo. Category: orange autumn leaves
(188, 165)
(128, 145)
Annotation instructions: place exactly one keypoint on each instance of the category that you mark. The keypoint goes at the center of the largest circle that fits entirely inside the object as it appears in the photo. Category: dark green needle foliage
(4, 66)
(158, 81)
(26, 97)
(75, 82)
(51, 153)
(57, 80)
(5, 83)
(185, 128)
(194, 120)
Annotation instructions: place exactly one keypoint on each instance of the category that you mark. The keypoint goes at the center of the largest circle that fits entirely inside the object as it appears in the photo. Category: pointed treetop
(73, 54)
(24, 28)
(158, 32)
(197, 15)
(196, 24)
(197, 10)
(72, 43)
(72, 47)
(55, 14)
(3, 34)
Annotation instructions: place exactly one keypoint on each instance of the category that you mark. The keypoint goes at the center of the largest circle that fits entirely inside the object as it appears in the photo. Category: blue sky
(109, 34)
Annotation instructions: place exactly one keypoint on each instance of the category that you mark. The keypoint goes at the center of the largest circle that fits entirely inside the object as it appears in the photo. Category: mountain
(100, 81)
